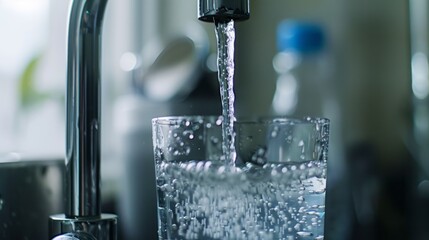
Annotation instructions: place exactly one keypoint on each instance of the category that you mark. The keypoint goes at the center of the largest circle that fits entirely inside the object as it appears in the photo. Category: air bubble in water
(304, 234)
(297, 227)
(259, 157)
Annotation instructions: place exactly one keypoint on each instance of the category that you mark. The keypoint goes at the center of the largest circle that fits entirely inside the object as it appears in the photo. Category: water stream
(225, 34)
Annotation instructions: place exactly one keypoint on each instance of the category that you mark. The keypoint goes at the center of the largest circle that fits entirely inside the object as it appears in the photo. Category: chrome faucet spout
(83, 216)
(83, 102)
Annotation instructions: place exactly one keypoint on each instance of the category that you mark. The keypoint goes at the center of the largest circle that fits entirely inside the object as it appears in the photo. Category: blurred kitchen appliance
(30, 191)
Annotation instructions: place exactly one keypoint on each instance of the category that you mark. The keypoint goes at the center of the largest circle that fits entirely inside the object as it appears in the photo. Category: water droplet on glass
(214, 140)
(274, 134)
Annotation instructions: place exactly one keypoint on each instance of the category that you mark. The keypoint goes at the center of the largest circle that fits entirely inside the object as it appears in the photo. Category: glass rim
(172, 120)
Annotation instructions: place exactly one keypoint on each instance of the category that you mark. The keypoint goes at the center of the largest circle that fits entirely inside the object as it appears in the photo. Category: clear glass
(276, 190)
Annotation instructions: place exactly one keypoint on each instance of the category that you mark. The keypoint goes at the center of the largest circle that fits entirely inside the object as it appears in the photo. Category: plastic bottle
(301, 69)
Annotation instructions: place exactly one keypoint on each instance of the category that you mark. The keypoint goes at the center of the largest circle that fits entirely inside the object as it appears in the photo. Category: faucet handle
(223, 10)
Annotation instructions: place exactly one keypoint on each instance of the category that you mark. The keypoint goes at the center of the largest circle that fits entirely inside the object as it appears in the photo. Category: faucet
(83, 218)
(223, 10)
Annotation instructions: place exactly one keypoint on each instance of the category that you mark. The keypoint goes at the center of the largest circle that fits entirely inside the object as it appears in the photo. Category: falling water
(225, 34)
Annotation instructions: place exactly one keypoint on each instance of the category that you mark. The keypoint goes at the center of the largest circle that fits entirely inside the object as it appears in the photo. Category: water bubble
(197, 126)
(304, 234)
(190, 166)
(207, 165)
(312, 213)
(221, 169)
(200, 166)
(259, 156)
(274, 173)
(275, 132)
(297, 227)
(1, 203)
(214, 140)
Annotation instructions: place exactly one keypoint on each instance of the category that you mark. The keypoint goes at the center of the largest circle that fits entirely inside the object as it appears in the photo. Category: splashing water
(225, 34)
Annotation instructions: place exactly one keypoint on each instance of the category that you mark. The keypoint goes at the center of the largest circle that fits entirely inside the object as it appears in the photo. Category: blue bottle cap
(299, 36)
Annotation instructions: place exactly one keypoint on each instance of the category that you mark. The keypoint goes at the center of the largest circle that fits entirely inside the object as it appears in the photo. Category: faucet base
(101, 227)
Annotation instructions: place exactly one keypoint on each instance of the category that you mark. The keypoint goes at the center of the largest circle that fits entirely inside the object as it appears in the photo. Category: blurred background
(369, 75)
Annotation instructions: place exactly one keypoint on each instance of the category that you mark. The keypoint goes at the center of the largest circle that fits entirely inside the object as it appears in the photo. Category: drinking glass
(274, 189)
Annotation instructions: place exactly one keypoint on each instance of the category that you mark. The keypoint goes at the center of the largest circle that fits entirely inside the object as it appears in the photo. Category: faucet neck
(83, 113)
